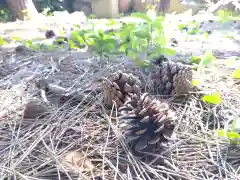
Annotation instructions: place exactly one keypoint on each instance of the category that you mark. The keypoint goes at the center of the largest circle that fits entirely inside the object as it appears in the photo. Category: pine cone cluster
(146, 123)
(173, 79)
(119, 86)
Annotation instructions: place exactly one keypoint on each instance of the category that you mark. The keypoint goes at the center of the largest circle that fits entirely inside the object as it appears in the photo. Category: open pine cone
(147, 124)
(173, 78)
(119, 86)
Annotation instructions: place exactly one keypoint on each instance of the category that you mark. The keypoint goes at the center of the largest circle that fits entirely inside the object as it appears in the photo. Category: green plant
(41, 46)
(47, 12)
(231, 134)
(5, 14)
(146, 38)
(139, 41)
(79, 39)
(192, 27)
(200, 62)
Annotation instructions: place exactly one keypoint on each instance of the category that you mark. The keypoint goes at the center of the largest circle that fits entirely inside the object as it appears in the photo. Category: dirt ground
(34, 148)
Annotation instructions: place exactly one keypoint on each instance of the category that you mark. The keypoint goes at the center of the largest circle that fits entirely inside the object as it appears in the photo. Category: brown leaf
(77, 162)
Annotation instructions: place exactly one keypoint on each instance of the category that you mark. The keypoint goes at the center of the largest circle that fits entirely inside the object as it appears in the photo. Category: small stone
(34, 109)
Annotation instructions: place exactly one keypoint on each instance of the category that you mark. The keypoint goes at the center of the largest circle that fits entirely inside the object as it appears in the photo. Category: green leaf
(111, 22)
(193, 31)
(72, 45)
(229, 134)
(196, 59)
(157, 23)
(142, 33)
(212, 98)
(208, 58)
(195, 82)
(206, 35)
(142, 16)
(166, 51)
(236, 74)
(16, 38)
(2, 41)
(182, 26)
(132, 55)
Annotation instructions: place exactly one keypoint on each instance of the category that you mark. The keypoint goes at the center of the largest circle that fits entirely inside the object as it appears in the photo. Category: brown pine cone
(173, 79)
(118, 86)
(50, 34)
(146, 123)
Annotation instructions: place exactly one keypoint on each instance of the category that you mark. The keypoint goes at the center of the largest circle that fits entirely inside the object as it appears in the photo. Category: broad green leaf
(236, 74)
(72, 44)
(111, 22)
(16, 38)
(75, 36)
(51, 47)
(110, 41)
(229, 134)
(132, 55)
(167, 51)
(157, 23)
(215, 98)
(196, 59)
(77, 26)
(2, 41)
(195, 82)
(142, 16)
(193, 31)
(100, 34)
(208, 58)
(206, 35)
(142, 33)
(182, 26)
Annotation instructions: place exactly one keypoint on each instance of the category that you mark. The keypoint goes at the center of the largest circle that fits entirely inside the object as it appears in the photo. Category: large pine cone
(119, 86)
(173, 79)
(146, 124)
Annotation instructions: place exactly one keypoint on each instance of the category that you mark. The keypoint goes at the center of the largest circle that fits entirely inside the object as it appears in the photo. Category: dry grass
(35, 148)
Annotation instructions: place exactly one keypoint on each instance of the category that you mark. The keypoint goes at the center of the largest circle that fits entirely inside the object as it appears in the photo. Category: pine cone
(119, 86)
(147, 124)
(50, 34)
(173, 78)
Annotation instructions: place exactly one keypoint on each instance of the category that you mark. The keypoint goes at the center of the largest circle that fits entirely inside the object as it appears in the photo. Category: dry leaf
(77, 162)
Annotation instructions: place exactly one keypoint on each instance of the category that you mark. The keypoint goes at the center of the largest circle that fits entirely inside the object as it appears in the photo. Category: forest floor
(43, 148)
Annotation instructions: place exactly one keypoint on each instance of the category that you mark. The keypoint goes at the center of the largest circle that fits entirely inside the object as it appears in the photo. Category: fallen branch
(65, 93)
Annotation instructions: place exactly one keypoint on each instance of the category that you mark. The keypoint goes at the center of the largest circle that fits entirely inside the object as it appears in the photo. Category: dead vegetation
(81, 140)
(55, 123)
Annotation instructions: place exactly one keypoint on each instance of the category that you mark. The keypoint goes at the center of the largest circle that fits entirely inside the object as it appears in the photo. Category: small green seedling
(234, 134)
